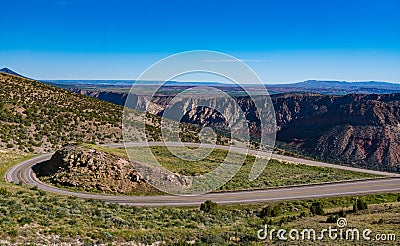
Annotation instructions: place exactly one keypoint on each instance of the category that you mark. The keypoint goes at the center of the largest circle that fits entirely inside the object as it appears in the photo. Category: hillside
(37, 117)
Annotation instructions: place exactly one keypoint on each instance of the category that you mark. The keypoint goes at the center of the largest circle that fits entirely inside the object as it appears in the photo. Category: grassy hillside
(37, 117)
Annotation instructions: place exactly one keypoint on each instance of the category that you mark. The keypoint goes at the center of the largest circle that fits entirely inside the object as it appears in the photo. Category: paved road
(22, 172)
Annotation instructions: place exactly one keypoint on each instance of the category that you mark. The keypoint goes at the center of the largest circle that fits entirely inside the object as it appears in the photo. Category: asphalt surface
(23, 173)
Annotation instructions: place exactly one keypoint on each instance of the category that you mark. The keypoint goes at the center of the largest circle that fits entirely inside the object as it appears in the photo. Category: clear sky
(282, 40)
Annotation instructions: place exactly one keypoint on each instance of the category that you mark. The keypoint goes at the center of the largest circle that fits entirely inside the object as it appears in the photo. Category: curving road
(23, 173)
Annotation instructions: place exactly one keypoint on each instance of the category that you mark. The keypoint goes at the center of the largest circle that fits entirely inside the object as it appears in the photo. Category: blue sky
(282, 40)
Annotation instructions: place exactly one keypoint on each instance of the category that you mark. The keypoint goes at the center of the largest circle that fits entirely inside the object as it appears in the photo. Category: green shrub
(208, 206)
(269, 211)
(303, 214)
(25, 220)
(332, 218)
(12, 233)
(342, 214)
(360, 204)
(4, 191)
(317, 208)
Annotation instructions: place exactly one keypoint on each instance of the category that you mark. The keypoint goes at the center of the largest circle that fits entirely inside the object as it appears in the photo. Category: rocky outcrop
(89, 169)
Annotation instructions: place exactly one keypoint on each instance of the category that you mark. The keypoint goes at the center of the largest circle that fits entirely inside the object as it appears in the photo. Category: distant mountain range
(9, 71)
(313, 86)
(337, 87)
(130, 82)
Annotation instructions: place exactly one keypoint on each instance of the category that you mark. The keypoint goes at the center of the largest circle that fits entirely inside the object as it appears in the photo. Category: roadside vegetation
(28, 215)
